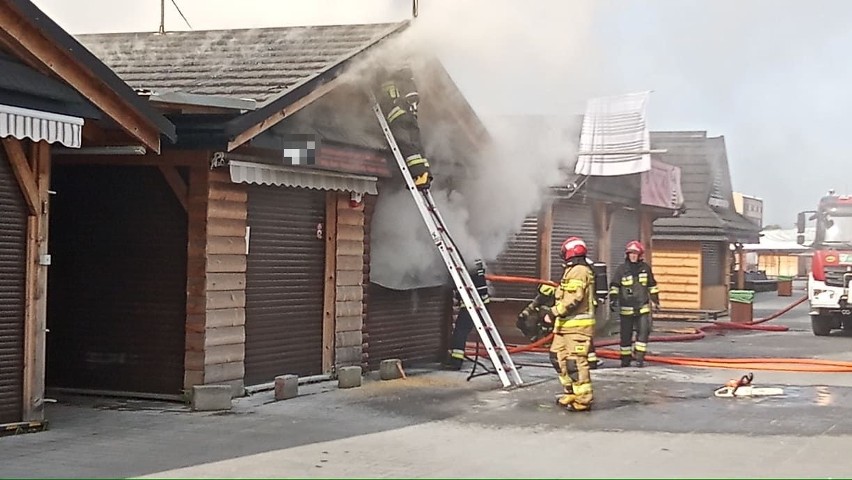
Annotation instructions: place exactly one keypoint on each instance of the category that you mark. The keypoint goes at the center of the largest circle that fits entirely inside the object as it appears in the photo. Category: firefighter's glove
(523, 317)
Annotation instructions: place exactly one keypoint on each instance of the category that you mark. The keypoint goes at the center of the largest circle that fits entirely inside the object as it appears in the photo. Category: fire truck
(831, 273)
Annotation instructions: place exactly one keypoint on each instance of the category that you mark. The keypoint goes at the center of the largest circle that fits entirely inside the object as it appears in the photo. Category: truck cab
(831, 272)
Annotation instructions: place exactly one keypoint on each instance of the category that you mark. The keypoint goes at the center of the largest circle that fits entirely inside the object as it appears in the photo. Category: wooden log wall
(216, 299)
(677, 269)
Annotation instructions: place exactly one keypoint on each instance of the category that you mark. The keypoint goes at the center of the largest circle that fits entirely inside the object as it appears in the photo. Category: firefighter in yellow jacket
(573, 317)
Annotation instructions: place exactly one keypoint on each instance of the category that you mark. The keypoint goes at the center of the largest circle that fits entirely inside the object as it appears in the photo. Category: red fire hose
(769, 364)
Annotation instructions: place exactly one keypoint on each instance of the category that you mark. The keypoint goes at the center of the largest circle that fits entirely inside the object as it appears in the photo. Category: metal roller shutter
(571, 218)
(623, 229)
(712, 263)
(117, 283)
(519, 257)
(284, 283)
(13, 241)
(407, 324)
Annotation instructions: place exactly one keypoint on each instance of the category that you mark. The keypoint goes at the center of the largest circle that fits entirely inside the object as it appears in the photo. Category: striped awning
(263, 174)
(24, 123)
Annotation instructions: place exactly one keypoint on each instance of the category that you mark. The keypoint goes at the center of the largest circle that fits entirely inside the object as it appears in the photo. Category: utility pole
(162, 17)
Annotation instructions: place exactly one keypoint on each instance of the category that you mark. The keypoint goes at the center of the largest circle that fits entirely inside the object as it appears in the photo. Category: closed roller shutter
(407, 324)
(13, 254)
(284, 283)
(712, 263)
(571, 218)
(519, 258)
(117, 282)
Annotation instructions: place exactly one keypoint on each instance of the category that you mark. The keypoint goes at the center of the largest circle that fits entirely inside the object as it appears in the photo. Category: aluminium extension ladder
(497, 352)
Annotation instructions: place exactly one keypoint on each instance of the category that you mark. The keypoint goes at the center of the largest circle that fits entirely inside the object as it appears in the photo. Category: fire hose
(767, 364)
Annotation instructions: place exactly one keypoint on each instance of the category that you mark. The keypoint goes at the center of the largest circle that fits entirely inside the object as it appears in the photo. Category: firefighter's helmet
(635, 246)
(573, 247)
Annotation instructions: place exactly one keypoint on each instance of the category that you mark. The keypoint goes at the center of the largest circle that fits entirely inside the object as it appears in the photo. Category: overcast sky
(772, 76)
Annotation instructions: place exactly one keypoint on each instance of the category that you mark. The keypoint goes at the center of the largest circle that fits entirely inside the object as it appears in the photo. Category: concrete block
(286, 386)
(389, 369)
(349, 377)
(207, 398)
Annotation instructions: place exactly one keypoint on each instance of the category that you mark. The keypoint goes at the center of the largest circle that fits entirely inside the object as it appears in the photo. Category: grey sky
(773, 76)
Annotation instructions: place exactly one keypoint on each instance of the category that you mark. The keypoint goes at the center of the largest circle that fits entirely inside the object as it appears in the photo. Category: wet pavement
(657, 421)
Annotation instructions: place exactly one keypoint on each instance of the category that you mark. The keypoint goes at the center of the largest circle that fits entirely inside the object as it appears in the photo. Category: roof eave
(85, 59)
(258, 119)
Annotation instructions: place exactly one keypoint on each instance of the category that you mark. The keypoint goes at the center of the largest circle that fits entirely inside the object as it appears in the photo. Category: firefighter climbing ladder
(497, 352)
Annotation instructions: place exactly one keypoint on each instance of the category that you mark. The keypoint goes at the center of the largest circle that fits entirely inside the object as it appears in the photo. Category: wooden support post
(23, 172)
(176, 183)
(545, 237)
(330, 288)
(740, 271)
(35, 316)
(603, 223)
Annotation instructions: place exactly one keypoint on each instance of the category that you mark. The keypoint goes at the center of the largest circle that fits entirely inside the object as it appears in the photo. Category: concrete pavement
(653, 422)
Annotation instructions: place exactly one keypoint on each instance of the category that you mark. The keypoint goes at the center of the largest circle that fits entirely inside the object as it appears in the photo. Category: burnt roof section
(701, 160)
(84, 57)
(257, 63)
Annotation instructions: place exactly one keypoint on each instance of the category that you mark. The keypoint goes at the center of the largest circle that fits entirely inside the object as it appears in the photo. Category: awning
(23, 123)
(262, 174)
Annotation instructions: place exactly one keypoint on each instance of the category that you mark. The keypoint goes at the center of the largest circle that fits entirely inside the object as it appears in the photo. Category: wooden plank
(176, 183)
(226, 245)
(646, 234)
(192, 378)
(23, 172)
(222, 227)
(219, 354)
(348, 355)
(350, 262)
(603, 230)
(350, 216)
(34, 405)
(350, 232)
(348, 339)
(224, 372)
(348, 309)
(218, 282)
(230, 209)
(220, 300)
(194, 360)
(350, 293)
(276, 117)
(30, 333)
(228, 317)
(350, 277)
(225, 336)
(545, 236)
(350, 247)
(18, 32)
(195, 341)
(350, 324)
(330, 287)
(231, 192)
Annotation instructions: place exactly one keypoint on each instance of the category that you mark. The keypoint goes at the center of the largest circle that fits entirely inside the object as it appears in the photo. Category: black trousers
(641, 324)
(464, 325)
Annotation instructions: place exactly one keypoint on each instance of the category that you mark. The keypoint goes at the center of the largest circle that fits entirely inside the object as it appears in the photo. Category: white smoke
(486, 201)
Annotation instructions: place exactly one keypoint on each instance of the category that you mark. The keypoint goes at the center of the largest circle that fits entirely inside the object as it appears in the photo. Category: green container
(741, 296)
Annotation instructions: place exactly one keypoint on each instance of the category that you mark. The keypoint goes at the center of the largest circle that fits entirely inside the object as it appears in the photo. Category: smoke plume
(484, 194)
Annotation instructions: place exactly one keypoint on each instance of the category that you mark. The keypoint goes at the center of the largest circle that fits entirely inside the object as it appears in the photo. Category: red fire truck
(831, 273)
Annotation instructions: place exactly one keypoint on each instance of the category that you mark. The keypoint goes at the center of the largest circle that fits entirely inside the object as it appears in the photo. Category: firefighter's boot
(625, 360)
(452, 363)
(640, 359)
(567, 397)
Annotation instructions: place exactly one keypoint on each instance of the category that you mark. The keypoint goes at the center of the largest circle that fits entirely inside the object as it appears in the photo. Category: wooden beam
(17, 31)
(283, 113)
(23, 172)
(330, 290)
(35, 319)
(177, 184)
(646, 234)
(177, 158)
(545, 237)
